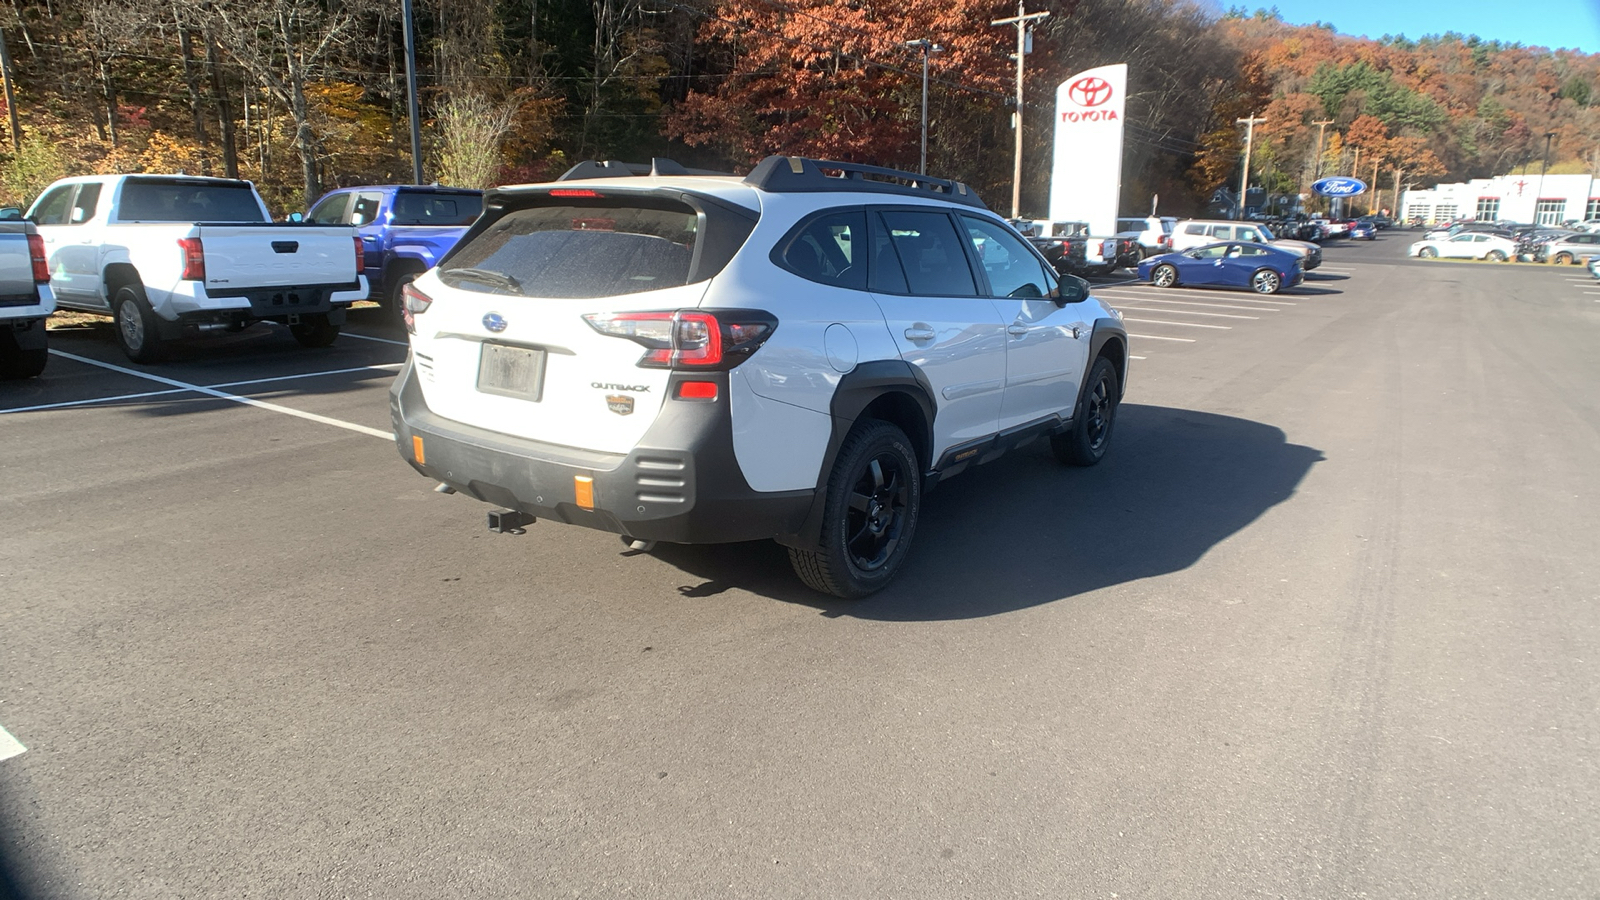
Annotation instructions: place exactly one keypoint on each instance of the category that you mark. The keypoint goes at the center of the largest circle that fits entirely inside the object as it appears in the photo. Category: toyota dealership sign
(1086, 175)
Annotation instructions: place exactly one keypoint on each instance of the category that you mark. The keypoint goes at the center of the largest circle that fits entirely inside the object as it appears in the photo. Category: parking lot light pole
(927, 48)
(1539, 191)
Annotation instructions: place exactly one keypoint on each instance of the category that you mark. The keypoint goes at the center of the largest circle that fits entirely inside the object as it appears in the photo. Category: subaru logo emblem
(494, 322)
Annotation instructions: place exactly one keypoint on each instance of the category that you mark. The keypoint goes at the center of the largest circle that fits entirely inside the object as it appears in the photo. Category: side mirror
(79, 215)
(296, 217)
(1073, 290)
(358, 220)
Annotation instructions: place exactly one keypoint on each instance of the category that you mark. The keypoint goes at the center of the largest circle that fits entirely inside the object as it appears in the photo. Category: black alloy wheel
(1086, 442)
(874, 498)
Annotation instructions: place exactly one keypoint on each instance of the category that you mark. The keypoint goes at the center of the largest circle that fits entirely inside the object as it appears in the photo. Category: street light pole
(1021, 20)
(927, 48)
(410, 26)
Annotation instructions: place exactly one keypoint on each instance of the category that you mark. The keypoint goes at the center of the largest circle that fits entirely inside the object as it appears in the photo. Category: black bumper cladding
(681, 484)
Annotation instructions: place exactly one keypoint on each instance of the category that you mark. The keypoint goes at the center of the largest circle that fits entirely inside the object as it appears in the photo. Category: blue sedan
(1259, 267)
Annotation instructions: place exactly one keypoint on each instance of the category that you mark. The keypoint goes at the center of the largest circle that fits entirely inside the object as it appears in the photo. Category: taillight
(361, 256)
(413, 303)
(194, 259)
(1107, 249)
(41, 265)
(689, 338)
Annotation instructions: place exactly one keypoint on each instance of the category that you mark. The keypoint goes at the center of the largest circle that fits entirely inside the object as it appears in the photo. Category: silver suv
(796, 355)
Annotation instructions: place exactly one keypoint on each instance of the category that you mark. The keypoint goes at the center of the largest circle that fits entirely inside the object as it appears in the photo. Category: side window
(827, 250)
(1012, 268)
(1194, 229)
(366, 209)
(330, 211)
(930, 253)
(83, 207)
(1211, 252)
(52, 207)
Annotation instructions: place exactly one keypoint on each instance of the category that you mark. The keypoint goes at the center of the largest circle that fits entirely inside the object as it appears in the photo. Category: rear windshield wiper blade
(484, 276)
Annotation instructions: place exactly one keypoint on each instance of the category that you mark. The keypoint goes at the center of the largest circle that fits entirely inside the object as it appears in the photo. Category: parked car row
(1500, 241)
(169, 256)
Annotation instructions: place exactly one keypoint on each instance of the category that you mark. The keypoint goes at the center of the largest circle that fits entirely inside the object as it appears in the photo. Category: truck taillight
(412, 303)
(361, 256)
(194, 259)
(41, 265)
(689, 338)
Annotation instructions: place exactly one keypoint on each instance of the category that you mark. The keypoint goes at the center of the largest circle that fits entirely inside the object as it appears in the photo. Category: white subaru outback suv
(796, 355)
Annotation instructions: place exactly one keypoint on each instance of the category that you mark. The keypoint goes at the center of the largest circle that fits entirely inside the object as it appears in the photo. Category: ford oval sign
(1340, 187)
(494, 322)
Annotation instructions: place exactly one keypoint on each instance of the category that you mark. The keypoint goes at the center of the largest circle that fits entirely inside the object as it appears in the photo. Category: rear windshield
(579, 251)
(145, 200)
(426, 208)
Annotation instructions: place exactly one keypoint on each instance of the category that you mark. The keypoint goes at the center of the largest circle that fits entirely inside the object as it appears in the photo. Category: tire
(874, 498)
(1164, 276)
(1427, 253)
(138, 330)
(1495, 256)
(1266, 281)
(1564, 259)
(17, 363)
(391, 296)
(315, 331)
(1086, 442)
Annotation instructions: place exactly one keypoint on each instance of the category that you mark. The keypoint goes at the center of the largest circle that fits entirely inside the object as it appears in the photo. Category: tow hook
(509, 521)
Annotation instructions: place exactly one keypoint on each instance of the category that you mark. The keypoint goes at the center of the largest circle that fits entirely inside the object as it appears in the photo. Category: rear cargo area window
(579, 251)
(178, 201)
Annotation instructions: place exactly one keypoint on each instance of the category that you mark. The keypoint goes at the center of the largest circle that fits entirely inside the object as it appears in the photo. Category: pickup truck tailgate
(241, 257)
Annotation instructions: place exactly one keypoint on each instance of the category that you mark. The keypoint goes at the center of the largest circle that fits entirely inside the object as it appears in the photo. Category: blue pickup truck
(404, 229)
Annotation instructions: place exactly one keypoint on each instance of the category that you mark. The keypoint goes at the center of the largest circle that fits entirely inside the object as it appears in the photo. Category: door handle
(919, 332)
(1018, 330)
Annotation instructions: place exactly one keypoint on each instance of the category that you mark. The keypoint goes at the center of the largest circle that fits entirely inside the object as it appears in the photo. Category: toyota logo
(1089, 91)
(494, 322)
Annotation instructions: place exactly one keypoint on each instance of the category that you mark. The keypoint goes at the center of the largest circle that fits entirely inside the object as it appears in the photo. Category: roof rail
(612, 168)
(795, 174)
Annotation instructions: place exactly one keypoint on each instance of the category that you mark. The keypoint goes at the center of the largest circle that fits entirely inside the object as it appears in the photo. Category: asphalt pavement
(1325, 623)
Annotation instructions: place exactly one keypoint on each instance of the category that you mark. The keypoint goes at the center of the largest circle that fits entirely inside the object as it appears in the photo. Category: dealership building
(1546, 199)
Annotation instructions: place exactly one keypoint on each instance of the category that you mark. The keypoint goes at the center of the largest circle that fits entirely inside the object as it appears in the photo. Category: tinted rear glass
(188, 201)
(424, 208)
(579, 251)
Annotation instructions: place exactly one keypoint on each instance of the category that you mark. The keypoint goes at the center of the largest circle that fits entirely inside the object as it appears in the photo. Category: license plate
(511, 371)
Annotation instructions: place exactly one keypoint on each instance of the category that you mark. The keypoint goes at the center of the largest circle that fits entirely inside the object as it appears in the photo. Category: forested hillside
(304, 95)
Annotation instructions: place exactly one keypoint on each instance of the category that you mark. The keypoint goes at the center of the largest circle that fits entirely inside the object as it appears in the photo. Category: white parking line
(234, 398)
(1190, 312)
(1130, 356)
(1160, 337)
(10, 746)
(1184, 324)
(1196, 294)
(69, 403)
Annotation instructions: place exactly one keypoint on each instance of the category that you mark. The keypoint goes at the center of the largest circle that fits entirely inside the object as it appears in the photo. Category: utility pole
(411, 91)
(1321, 128)
(1249, 144)
(927, 48)
(11, 100)
(1539, 191)
(1021, 20)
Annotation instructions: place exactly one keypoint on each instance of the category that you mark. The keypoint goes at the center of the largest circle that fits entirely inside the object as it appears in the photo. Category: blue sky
(1544, 23)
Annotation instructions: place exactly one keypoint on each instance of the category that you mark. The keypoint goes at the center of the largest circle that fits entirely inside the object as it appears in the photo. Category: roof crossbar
(795, 174)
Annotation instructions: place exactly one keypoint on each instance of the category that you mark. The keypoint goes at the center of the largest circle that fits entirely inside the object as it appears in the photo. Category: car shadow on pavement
(1318, 276)
(1026, 530)
(1301, 290)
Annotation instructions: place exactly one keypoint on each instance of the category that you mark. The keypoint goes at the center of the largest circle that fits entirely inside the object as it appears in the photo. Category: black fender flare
(856, 393)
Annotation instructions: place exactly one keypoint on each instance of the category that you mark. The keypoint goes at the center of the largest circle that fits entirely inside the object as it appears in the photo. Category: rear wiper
(483, 276)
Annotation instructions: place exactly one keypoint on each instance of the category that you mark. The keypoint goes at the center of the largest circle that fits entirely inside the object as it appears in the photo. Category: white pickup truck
(25, 299)
(169, 255)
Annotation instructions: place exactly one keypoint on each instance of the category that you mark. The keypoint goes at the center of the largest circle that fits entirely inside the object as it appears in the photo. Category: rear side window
(601, 249)
(930, 254)
(419, 208)
(824, 250)
(366, 209)
(146, 200)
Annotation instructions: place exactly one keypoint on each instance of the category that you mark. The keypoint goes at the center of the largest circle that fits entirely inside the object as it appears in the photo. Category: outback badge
(621, 404)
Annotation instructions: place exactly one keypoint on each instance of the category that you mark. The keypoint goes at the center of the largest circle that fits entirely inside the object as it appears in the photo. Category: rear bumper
(681, 484)
(190, 302)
